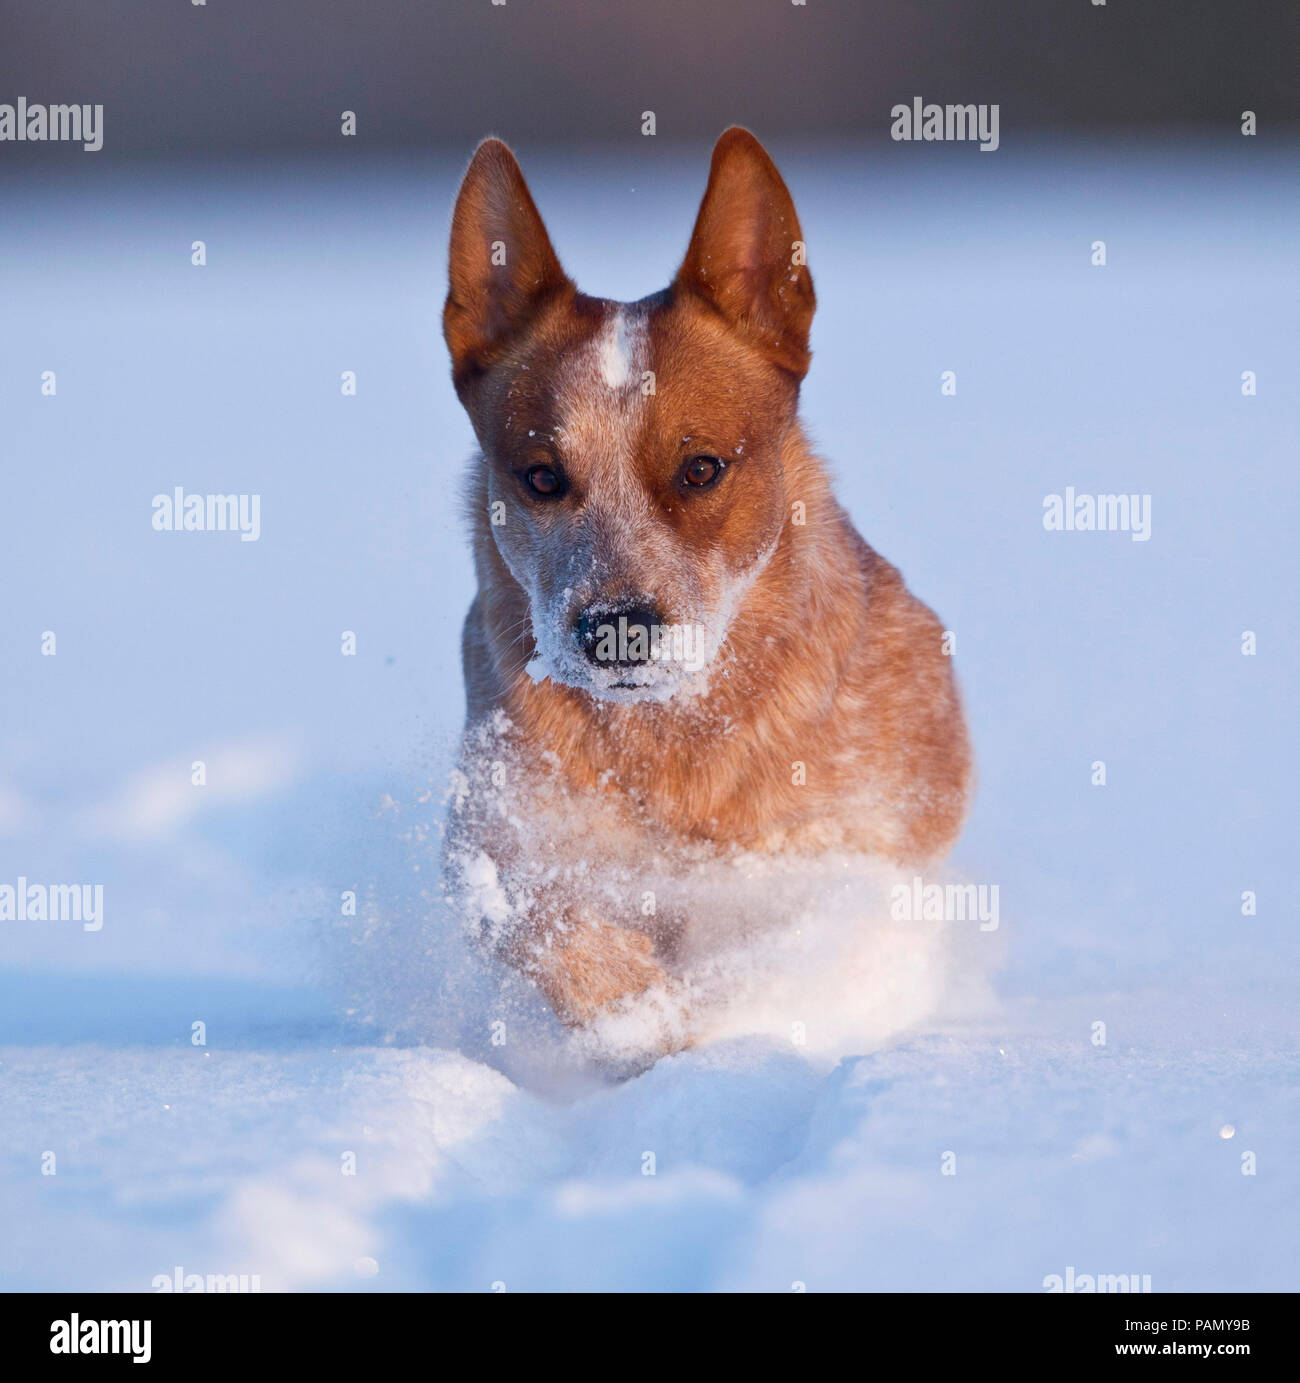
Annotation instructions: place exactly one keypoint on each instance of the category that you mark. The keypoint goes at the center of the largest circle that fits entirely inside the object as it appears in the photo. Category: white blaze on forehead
(600, 399)
(619, 346)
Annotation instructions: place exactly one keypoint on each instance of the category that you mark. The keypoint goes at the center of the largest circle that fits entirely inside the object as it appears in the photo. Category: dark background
(249, 76)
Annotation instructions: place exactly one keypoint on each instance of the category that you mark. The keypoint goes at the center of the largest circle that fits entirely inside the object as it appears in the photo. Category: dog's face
(632, 451)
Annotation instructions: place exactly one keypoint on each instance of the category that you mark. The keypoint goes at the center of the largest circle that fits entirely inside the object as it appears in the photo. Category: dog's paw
(628, 1036)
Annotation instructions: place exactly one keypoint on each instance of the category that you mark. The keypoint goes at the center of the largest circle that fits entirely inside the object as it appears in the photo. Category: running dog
(680, 645)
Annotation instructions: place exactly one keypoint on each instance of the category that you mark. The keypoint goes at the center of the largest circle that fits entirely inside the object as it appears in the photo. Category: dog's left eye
(701, 471)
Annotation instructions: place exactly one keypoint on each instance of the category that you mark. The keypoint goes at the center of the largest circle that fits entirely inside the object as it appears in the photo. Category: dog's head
(633, 452)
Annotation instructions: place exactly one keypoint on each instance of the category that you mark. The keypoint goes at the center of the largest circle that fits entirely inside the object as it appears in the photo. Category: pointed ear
(502, 266)
(746, 255)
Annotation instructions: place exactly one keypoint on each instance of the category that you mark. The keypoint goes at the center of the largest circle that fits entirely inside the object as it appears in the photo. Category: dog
(680, 646)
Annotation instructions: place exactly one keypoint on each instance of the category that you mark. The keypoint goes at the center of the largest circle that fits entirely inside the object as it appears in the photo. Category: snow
(875, 1103)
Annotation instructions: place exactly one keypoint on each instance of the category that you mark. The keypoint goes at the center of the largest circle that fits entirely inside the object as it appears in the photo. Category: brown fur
(827, 662)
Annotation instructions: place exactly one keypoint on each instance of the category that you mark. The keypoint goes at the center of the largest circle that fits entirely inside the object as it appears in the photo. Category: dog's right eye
(542, 480)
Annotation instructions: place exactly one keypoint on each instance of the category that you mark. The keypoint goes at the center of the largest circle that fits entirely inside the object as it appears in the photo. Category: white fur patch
(619, 346)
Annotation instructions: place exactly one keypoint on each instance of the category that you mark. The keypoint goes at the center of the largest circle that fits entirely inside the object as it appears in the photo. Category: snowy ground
(927, 1048)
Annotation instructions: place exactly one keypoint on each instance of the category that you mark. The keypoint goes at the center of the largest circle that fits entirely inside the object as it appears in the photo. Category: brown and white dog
(680, 646)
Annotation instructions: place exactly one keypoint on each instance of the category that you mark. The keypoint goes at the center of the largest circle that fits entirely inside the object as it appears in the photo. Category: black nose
(620, 637)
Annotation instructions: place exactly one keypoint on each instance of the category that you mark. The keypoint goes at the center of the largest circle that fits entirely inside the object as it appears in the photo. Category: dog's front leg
(581, 963)
(585, 967)
(517, 865)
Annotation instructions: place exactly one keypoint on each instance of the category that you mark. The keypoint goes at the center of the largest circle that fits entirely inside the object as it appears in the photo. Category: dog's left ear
(746, 255)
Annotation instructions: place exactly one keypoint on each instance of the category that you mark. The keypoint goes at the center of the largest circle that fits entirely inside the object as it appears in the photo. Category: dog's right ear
(502, 266)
